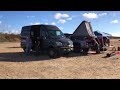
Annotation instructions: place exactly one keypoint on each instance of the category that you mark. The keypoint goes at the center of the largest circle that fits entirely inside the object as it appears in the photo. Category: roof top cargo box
(84, 30)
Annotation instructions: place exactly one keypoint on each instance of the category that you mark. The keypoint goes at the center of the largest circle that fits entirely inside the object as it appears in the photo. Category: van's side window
(44, 33)
(25, 31)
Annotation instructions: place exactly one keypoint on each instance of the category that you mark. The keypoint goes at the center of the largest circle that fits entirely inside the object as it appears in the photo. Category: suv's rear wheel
(52, 53)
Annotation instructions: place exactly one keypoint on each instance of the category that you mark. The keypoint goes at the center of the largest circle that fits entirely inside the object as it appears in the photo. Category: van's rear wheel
(52, 53)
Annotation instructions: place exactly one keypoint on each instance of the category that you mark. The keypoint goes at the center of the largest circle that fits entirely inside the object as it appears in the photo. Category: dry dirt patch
(14, 64)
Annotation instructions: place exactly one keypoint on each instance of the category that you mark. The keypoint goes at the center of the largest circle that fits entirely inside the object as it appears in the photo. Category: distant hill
(107, 34)
(115, 37)
(4, 37)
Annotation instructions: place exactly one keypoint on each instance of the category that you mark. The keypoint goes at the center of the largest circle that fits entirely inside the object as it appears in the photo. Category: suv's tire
(52, 53)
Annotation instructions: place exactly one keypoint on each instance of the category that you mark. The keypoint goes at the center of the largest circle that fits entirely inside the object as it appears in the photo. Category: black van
(51, 39)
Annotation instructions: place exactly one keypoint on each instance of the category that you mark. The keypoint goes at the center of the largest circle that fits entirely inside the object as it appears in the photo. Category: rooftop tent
(84, 29)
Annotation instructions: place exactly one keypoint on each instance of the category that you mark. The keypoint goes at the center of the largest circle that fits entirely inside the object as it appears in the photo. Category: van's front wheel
(52, 53)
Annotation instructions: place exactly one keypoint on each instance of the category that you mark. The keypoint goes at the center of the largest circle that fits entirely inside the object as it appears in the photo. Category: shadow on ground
(13, 47)
(21, 57)
(72, 54)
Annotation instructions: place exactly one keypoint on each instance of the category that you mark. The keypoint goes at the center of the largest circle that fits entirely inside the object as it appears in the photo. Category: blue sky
(67, 21)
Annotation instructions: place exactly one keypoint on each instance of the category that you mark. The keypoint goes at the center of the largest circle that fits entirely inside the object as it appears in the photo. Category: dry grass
(4, 37)
(14, 64)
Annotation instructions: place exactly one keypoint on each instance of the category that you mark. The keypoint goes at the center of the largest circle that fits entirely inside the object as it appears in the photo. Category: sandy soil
(14, 64)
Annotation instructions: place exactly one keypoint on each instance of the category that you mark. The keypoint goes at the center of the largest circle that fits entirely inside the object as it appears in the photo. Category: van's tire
(52, 53)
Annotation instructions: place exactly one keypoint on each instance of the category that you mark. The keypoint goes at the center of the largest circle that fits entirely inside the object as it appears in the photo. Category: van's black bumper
(63, 50)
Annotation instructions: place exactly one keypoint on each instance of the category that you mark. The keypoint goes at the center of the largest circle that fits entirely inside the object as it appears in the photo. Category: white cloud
(93, 15)
(0, 22)
(37, 23)
(30, 16)
(60, 15)
(17, 32)
(46, 23)
(65, 15)
(116, 34)
(62, 21)
(57, 16)
(53, 23)
(13, 31)
(114, 21)
(69, 18)
(90, 15)
(102, 14)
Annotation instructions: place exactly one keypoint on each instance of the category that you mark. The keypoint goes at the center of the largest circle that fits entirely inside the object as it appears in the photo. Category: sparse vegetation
(4, 37)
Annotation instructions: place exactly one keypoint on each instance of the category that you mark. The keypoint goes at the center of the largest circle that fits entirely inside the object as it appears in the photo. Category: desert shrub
(9, 37)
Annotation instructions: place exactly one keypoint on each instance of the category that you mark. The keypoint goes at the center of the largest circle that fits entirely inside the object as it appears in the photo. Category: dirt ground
(14, 64)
